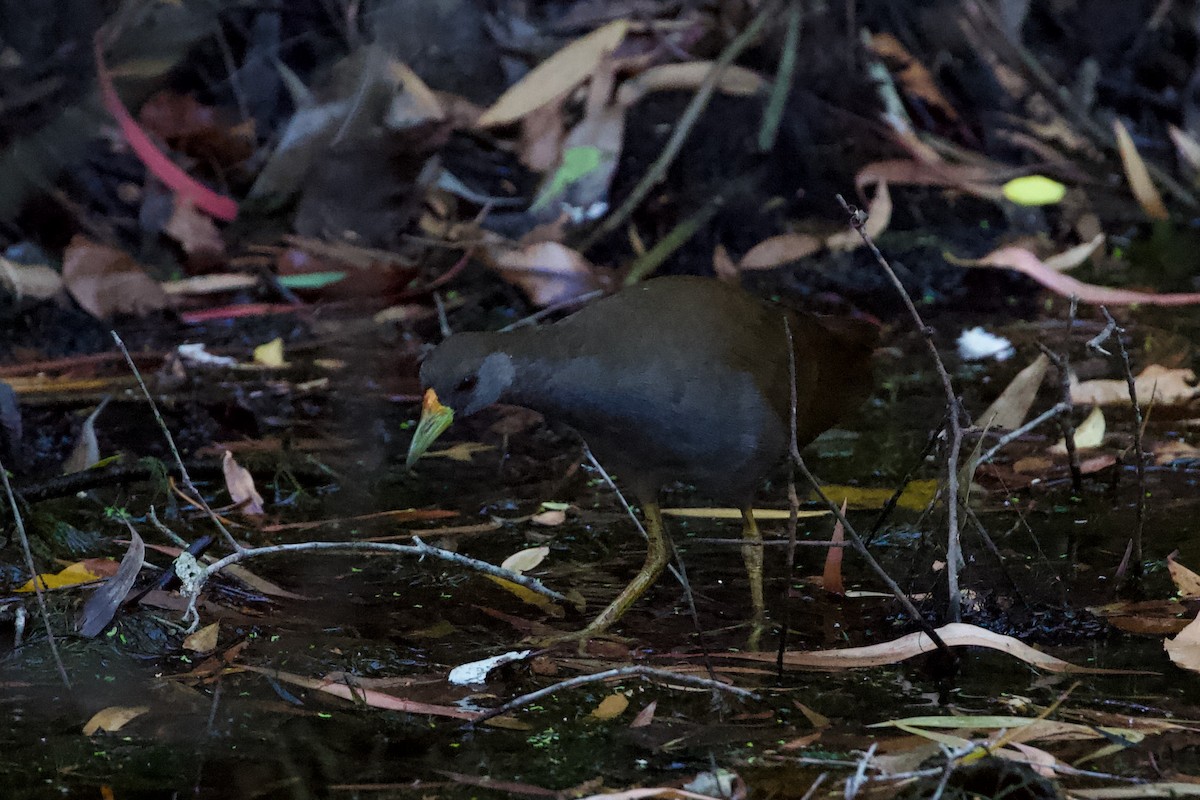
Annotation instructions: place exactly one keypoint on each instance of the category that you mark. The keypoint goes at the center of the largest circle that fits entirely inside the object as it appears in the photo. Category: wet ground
(209, 727)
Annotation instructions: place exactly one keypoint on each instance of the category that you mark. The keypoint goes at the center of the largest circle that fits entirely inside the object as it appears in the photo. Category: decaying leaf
(1184, 649)
(32, 281)
(112, 719)
(106, 281)
(1009, 410)
(240, 484)
(1161, 385)
(548, 272)
(779, 250)
(555, 76)
(102, 606)
(203, 640)
(1138, 176)
(1187, 583)
(1025, 261)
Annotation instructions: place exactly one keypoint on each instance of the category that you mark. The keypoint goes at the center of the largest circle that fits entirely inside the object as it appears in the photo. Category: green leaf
(576, 163)
(311, 280)
(1034, 190)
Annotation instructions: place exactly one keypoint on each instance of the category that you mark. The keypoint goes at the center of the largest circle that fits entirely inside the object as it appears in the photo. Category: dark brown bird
(677, 379)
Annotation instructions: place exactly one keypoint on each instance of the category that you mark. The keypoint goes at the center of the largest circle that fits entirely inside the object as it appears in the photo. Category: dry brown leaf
(1161, 385)
(1184, 649)
(548, 272)
(981, 181)
(215, 283)
(955, 634)
(645, 716)
(1187, 583)
(831, 578)
(911, 74)
(1009, 410)
(540, 142)
(112, 719)
(240, 484)
(549, 519)
(33, 281)
(195, 231)
(106, 281)
(1072, 257)
(1174, 450)
(779, 250)
(1138, 176)
(1187, 147)
(555, 76)
(203, 640)
(688, 76)
(1024, 261)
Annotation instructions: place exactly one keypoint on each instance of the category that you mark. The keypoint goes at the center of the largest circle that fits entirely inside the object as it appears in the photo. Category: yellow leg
(657, 555)
(752, 555)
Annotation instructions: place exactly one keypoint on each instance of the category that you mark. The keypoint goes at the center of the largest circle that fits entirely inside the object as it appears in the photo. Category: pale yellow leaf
(610, 707)
(555, 76)
(1138, 176)
(270, 354)
(112, 719)
(524, 560)
(1088, 434)
(203, 640)
(1009, 410)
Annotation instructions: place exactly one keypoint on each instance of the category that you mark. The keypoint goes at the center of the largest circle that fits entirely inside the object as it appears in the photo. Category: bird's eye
(467, 384)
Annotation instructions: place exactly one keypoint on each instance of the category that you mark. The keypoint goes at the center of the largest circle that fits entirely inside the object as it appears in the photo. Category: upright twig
(954, 412)
(166, 432)
(687, 121)
(784, 76)
(851, 533)
(793, 498)
(38, 588)
(1131, 383)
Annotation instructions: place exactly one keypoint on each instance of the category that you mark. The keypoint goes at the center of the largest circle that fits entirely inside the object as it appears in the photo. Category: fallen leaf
(688, 76)
(1156, 384)
(1138, 176)
(86, 451)
(33, 281)
(414, 103)
(1187, 147)
(548, 272)
(370, 697)
(1088, 434)
(760, 514)
(1034, 190)
(980, 181)
(1072, 257)
(832, 576)
(555, 76)
(611, 707)
(1009, 410)
(779, 250)
(462, 451)
(1024, 261)
(646, 716)
(1171, 450)
(112, 719)
(955, 634)
(1184, 649)
(203, 640)
(196, 233)
(524, 560)
(104, 603)
(549, 519)
(912, 76)
(240, 484)
(72, 575)
(1187, 583)
(106, 281)
(270, 354)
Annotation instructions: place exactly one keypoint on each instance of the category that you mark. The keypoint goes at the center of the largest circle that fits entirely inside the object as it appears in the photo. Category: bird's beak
(435, 418)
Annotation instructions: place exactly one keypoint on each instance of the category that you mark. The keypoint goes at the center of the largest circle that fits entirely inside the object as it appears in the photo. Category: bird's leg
(657, 555)
(752, 555)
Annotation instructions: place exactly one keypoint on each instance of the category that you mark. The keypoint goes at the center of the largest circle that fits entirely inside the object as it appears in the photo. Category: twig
(766, 543)
(812, 790)
(853, 536)
(620, 672)
(784, 76)
(954, 411)
(38, 589)
(683, 127)
(1062, 362)
(570, 302)
(162, 425)
(1131, 384)
(793, 498)
(647, 263)
(1013, 435)
(856, 781)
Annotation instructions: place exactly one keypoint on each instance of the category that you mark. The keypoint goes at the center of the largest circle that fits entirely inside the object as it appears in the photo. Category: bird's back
(687, 379)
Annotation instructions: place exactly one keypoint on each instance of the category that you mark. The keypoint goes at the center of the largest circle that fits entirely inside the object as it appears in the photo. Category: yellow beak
(435, 418)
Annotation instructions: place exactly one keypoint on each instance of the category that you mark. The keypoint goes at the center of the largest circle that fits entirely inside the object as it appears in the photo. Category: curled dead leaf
(548, 272)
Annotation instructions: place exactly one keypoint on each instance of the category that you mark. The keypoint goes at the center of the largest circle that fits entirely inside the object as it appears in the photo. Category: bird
(677, 378)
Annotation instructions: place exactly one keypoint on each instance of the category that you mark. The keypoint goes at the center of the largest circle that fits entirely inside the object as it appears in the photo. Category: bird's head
(463, 375)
